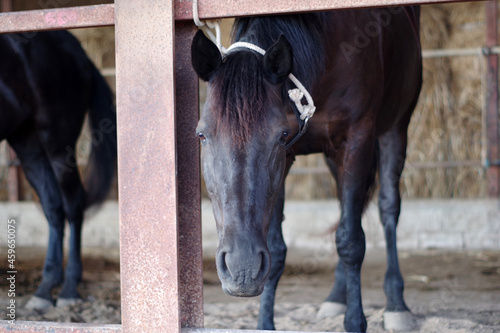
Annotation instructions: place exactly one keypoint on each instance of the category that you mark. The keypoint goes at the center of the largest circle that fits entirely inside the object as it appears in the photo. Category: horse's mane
(240, 88)
(304, 31)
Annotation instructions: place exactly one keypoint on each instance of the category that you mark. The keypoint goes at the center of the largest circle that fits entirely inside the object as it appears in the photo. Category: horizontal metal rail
(40, 326)
(103, 15)
(475, 51)
(43, 326)
(233, 8)
(408, 166)
(58, 18)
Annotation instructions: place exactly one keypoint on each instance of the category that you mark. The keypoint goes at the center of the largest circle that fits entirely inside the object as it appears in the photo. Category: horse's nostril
(263, 266)
(259, 266)
(264, 263)
(223, 261)
(222, 266)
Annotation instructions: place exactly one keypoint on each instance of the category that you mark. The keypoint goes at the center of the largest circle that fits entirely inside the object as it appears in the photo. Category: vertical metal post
(492, 117)
(147, 165)
(14, 179)
(188, 172)
(6, 5)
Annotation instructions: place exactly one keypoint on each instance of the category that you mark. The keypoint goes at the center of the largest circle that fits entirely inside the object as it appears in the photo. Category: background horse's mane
(241, 90)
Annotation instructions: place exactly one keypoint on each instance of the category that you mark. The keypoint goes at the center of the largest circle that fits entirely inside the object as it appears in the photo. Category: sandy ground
(450, 292)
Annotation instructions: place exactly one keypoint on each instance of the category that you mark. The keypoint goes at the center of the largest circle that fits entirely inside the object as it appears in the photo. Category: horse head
(243, 130)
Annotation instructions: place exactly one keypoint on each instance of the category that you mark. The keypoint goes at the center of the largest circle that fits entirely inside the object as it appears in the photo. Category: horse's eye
(203, 138)
(284, 137)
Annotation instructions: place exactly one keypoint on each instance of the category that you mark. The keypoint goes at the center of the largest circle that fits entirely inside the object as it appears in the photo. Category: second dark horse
(47, 84)
(364, 71)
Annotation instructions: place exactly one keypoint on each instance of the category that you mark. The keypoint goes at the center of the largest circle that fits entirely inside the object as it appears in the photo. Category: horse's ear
(205, 56)
(278, 61)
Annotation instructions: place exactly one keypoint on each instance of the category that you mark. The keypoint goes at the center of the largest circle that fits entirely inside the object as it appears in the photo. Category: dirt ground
(446, 291)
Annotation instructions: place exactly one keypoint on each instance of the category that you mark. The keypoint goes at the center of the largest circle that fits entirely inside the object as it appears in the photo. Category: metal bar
(492, 117)
(58, 18)
(108, 71)
(216, 330)
(39, 327)
(408, 166)
(15, 192)
(460, 52)
(209, 9)
(439, 53)
(42, 326)
(6, 5)
(14, 188)
(147, 166)
(188, 177)
(443, 164)
(102, 15)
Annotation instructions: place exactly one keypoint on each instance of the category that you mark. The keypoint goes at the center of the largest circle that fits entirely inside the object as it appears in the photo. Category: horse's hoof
(62, 302)
(38, 303)
(330, 309)
(398, 321)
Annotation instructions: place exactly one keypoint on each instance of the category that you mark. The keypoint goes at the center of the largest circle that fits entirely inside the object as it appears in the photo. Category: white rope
(207, 27)
(247, 46)
(306, 111)
(296, 95)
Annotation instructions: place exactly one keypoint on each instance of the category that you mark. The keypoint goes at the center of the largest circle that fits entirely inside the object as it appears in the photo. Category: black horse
(47, 84)
(363, 69)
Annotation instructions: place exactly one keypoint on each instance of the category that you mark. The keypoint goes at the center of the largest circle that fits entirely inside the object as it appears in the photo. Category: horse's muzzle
(243, 270)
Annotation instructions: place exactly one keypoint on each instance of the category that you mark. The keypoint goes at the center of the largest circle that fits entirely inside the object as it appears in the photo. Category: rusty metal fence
(160, 232)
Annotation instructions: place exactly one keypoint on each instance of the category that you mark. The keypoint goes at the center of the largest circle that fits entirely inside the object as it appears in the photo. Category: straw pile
(447, 124)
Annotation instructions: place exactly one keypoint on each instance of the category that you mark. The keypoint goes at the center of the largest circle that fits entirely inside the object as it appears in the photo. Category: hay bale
(447, 122)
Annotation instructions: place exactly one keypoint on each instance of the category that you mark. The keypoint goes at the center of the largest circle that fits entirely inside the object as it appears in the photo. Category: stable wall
(424, 224)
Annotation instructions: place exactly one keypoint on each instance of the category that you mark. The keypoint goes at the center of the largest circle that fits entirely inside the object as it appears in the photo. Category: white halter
(296, 95)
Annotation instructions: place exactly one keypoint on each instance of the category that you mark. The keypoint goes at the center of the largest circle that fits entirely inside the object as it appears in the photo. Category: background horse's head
(243, 130)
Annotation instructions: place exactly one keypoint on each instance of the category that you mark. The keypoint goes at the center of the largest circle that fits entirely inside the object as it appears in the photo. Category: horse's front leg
(277, 247)
(397, 316)
(354, 181)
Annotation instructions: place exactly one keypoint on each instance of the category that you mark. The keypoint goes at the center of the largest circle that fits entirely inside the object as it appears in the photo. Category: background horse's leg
(335, 303)
(38, 171)
(59, 144)
(392, 158)
(73, 196)
(277, 247)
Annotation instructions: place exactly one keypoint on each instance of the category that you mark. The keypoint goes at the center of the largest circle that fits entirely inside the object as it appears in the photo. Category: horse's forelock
(240, 96)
